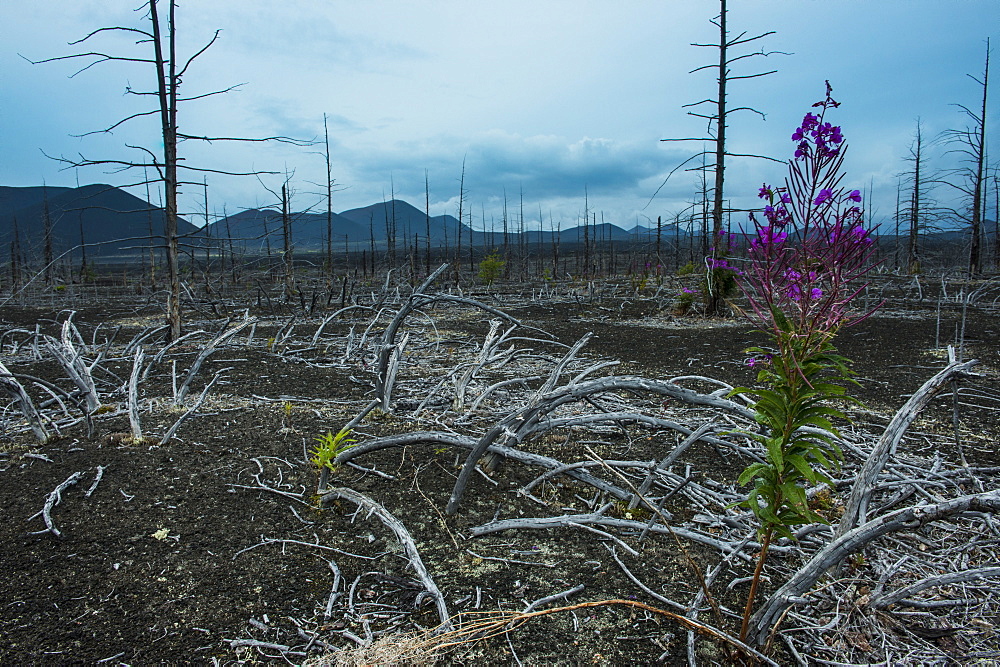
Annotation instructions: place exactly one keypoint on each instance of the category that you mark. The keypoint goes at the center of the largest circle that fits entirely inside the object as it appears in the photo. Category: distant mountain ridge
(109, 220)
(114, 223)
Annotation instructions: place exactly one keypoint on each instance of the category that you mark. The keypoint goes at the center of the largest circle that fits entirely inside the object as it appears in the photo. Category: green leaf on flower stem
(781, 531)
(774, 453)
(753, 503)
(815, 421)
(780, 320)
(829, 388)
(773, 418)
(795, 498)
(800, 464)
(772, 402)
(750, 473)
(767, 515)
(823, 461)
(821, 478)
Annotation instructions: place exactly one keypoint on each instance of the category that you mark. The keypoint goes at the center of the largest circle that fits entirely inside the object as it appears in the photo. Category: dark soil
(164, 562)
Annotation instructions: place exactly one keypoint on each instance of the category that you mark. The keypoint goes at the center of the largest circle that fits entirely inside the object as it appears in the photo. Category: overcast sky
(548, 98)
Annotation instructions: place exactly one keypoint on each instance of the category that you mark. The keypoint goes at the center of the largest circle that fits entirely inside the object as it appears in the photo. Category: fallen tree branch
(53, 499)
(16, 391)
(515, 426)
(908, 518)
(209, 348)
(567, 521)
(864, 485)
(933, 582)
(190, 411)
(97, 480)
(465, 442)
(403, 535)
(552, 598)
(72, 362)
(133, 395)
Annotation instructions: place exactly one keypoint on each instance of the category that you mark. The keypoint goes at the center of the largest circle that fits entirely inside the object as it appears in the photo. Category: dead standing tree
(718, 123)
(919, 206)
(970, 145)
(169, 75)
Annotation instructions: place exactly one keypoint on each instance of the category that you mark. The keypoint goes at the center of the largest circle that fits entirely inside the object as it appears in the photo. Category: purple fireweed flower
(721, 264)
(766, 237)
(759, 361)
(812, 246)
(777, 216)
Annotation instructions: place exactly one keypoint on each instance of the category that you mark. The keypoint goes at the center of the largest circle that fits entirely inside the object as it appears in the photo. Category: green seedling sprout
(326, 453)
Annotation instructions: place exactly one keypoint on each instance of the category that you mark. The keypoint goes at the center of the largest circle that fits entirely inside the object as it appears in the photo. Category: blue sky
(545, 97)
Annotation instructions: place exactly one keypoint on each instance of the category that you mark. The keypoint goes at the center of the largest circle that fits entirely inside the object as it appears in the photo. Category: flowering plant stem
(800, 282)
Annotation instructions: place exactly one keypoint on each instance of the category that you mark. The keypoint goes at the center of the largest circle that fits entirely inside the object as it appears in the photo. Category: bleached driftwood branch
(857, 505)
(53, 499)
(72, 362)
(907, 518)
(133, 394)
(16, 391)
(214, 344)
(403, 535)
(515, 426)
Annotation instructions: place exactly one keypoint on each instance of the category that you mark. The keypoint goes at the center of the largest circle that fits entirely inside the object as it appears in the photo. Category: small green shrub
(720, 280)
(685, 300)
(491, 268)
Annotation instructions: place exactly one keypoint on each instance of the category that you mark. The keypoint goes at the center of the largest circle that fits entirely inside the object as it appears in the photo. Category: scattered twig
(97, 480)
(53, 499)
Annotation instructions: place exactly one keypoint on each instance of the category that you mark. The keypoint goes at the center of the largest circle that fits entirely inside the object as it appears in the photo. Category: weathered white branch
(133, 394)
(465, 442)
(857, 505)
(203, 355)
(462, 384)
(190, 411)
(403, 535)
(72, 362)
(933, 582)
(908, 518)
(16, 391)
(53, 499)
(514, 426)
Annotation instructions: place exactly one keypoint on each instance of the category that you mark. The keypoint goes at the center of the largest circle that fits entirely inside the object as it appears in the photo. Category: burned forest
(546, 472)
